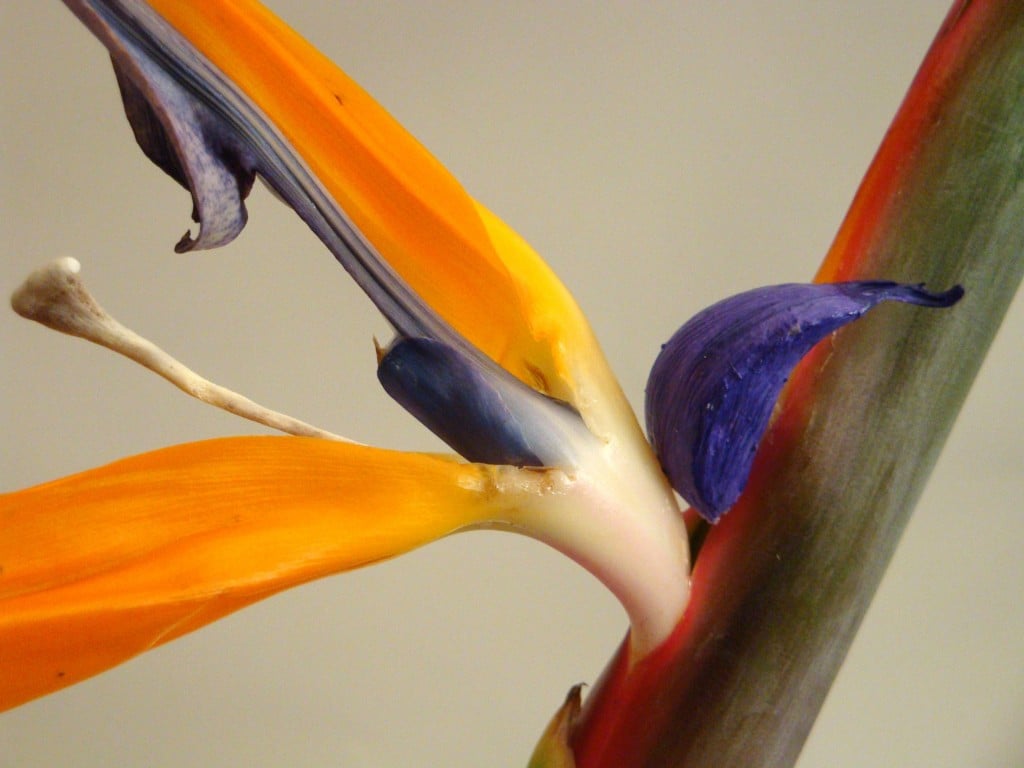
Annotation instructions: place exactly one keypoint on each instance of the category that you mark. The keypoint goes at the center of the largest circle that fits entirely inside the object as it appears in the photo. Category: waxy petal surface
(101, 566)
(712, 389)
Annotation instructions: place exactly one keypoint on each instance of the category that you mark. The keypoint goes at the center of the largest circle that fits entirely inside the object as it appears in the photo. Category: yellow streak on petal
(98, 567)
(560, 345)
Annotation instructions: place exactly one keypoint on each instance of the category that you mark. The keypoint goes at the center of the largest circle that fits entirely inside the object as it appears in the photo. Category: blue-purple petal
(712, 389)
(481, 411)
(193, 145)
(181, 134)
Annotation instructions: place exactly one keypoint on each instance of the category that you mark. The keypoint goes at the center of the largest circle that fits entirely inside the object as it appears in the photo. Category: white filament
(55, 296)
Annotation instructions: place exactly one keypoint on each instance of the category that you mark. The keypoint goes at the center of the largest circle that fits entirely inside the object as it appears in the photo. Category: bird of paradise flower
(539, 377)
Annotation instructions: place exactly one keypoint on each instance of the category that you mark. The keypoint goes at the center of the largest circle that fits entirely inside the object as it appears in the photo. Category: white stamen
(55, 296)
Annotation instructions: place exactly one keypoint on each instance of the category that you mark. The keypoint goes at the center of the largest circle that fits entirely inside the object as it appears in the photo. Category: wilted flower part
(191, 143)
(711, 391)
(55, 296)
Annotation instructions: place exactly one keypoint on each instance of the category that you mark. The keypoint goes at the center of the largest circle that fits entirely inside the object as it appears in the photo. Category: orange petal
(504, 301)
(98, 567)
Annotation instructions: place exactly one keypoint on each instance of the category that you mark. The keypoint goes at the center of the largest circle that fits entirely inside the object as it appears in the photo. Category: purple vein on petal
(712, 389)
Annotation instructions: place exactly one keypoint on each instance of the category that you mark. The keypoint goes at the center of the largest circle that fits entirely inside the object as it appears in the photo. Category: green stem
(782, 584)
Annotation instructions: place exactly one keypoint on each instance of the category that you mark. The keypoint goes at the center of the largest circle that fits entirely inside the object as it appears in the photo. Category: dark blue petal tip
(451, 396)
(711, 391)
(477, 408)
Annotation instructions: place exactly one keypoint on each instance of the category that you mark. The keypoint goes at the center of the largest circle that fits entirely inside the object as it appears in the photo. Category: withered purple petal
(181, 134)
(481, 411)
(712, 388)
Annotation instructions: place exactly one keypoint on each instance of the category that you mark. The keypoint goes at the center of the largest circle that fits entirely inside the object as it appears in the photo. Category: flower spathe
(492, 354)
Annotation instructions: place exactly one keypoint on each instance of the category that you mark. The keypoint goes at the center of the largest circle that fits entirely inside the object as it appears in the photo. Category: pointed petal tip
(713, 387)
(554, 750)
(941, 300)
(887, 290)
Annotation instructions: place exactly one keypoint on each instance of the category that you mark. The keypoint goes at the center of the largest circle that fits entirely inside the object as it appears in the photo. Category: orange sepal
(100, 566)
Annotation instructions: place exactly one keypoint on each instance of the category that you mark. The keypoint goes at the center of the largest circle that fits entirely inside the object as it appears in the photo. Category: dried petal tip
(711, 391)
(191, 144)
(554, 750)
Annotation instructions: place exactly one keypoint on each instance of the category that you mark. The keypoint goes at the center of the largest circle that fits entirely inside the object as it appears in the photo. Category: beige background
(660, 159)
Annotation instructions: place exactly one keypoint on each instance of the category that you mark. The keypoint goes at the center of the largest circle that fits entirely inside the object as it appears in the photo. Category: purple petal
(193, 145)
(180, 133)
(711, 391)
(481, 411)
